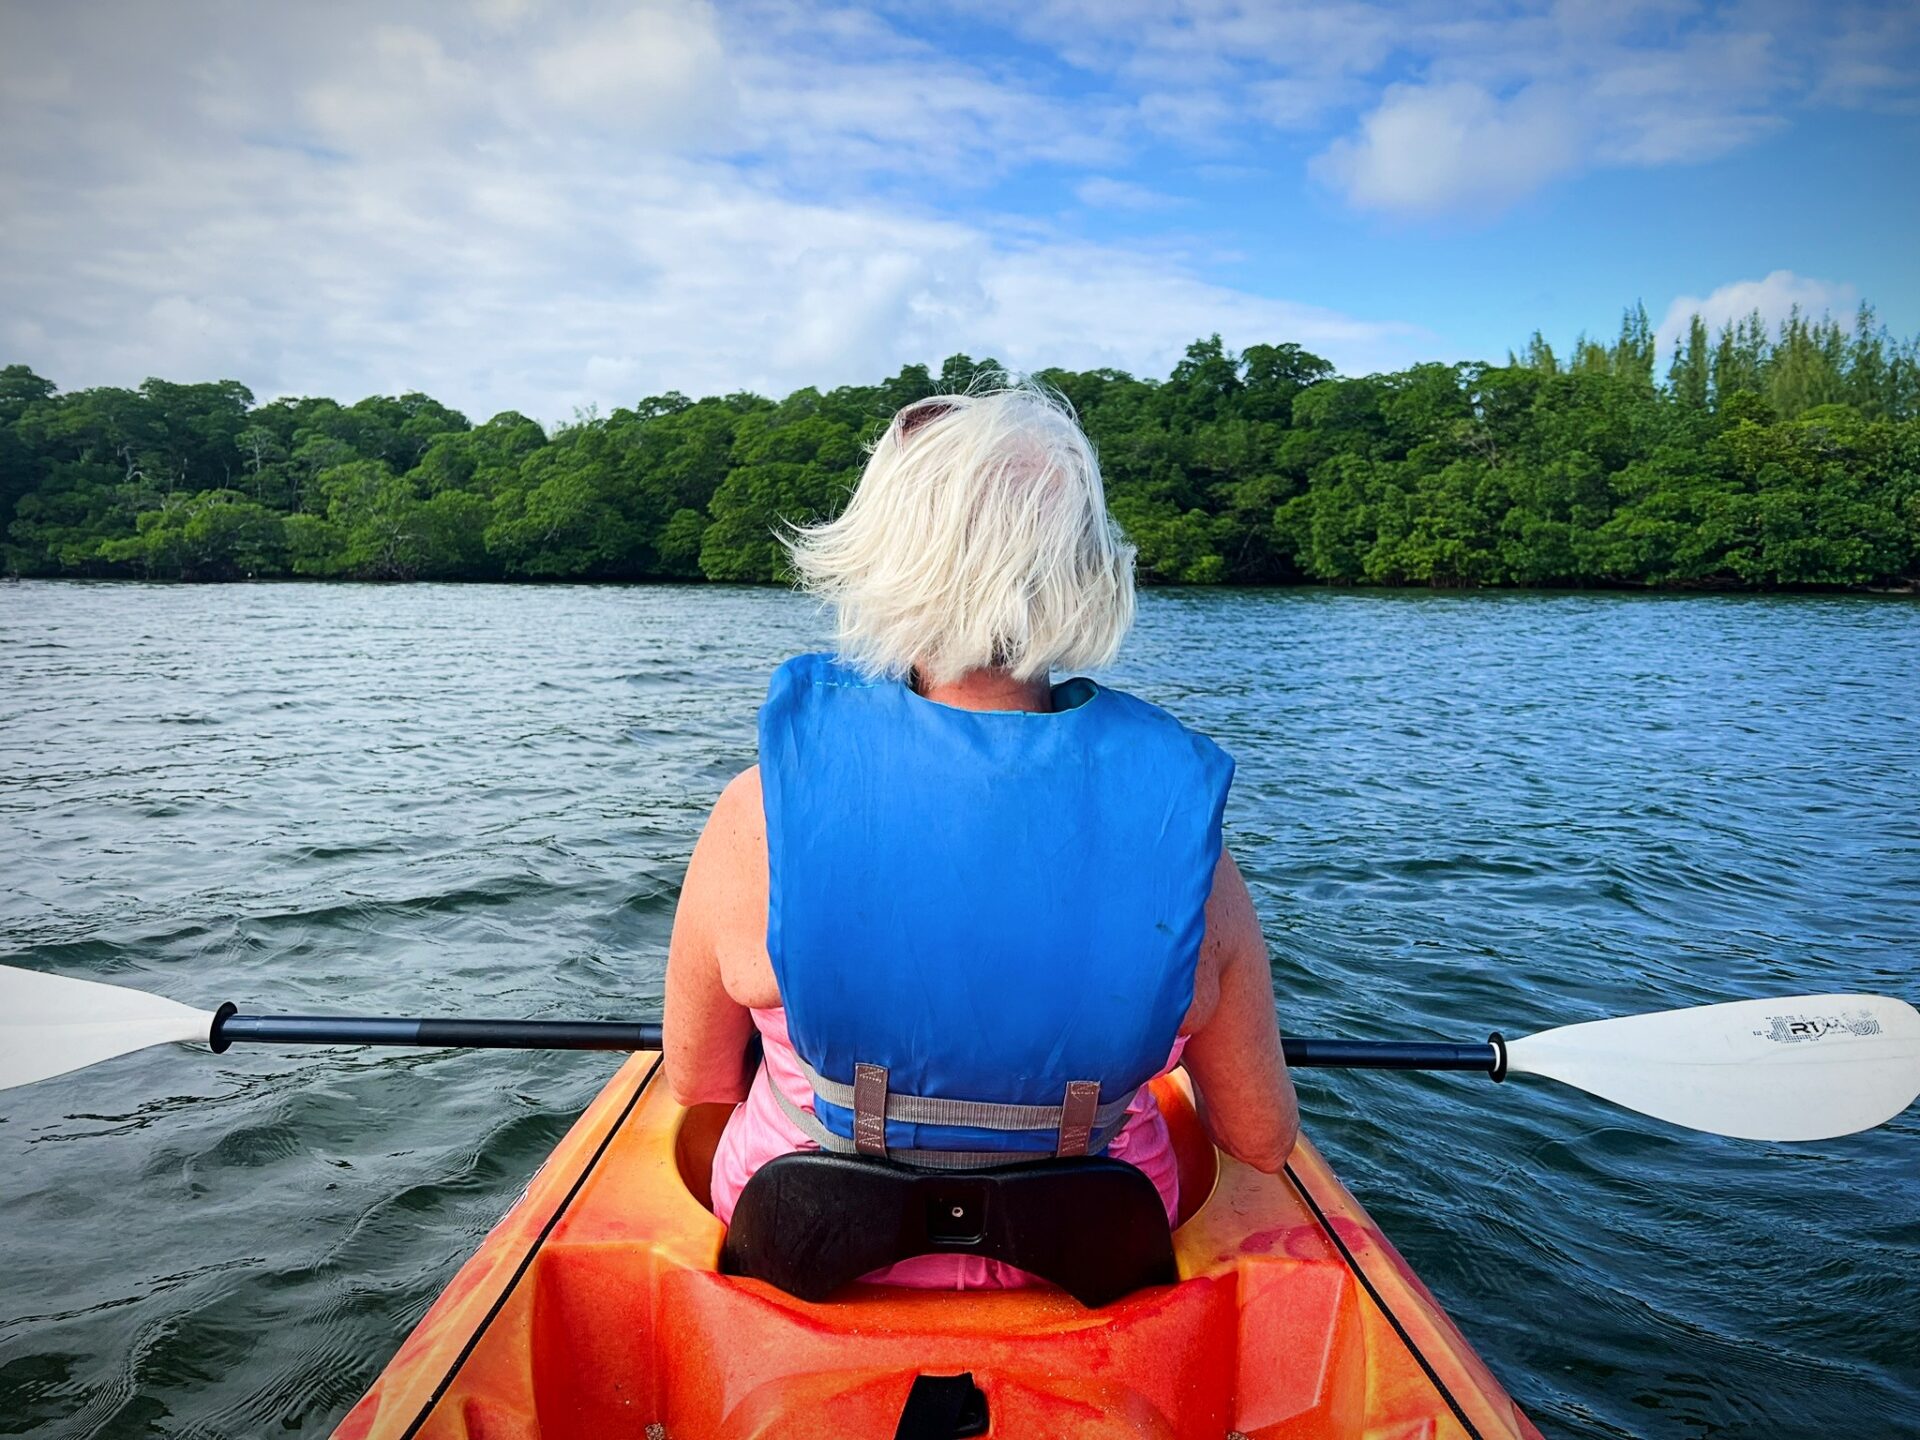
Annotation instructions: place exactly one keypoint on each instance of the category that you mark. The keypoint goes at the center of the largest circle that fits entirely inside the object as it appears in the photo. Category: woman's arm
(1233, 1050)
(707, 1029)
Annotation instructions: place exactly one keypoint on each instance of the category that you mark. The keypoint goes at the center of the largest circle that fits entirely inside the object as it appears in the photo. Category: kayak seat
(811, 1222)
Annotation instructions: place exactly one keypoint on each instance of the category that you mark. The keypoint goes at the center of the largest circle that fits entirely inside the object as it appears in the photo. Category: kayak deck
(595, 1309)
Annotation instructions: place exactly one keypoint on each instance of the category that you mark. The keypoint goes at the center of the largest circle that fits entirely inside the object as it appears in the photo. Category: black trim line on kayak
(1473, 1431)
(526, 1260)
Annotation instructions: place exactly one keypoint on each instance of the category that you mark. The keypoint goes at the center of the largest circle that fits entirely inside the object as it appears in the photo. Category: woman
(971, 912)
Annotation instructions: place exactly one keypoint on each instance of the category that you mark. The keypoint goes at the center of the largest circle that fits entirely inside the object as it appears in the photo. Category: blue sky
(548, 206)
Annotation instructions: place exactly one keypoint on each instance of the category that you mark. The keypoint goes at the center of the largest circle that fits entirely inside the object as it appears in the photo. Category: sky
(554, 207)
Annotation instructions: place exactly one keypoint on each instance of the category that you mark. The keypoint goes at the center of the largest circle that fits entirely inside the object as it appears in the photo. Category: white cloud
(1103, 192)
(1774, 297)
(1694, 99)
(404, 77)
(1296, 103)
(656, 73)
(1514, 103)
(1204, 71)
(1430, 148)
(496, 216)
(1866, 59)
(1518, 93)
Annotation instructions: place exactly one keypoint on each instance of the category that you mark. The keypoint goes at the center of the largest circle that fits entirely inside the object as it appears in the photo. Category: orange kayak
(596, 1310)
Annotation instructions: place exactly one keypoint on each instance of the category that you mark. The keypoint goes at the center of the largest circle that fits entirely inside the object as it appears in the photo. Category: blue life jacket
(984, 908)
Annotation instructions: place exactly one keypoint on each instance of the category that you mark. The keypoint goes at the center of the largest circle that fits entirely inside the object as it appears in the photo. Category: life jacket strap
(1077, 1114)
(870, 1109)
(972, 1114)
(809, 1125)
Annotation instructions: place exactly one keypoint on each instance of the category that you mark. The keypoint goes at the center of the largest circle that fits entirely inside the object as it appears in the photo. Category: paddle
(1807, 1067)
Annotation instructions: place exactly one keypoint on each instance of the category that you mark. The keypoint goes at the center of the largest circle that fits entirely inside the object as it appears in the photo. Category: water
(1456, 813)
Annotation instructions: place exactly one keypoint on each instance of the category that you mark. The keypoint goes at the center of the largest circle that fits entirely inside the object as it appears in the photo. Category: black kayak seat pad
(810, 1222)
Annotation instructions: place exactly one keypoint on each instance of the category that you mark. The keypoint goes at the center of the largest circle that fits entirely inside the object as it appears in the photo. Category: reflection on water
(1458, 813)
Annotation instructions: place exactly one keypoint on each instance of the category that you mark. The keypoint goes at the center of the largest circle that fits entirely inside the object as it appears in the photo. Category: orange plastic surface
(617, 1324)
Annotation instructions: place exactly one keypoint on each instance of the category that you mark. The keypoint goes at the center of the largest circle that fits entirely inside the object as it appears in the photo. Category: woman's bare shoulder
(730, 860)
(741, 806)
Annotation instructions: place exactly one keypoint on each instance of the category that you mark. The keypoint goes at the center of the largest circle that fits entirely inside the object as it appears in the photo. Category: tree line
(1762, 457)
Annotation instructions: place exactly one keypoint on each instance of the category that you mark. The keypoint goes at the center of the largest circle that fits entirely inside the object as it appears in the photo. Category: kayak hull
(595, 1309)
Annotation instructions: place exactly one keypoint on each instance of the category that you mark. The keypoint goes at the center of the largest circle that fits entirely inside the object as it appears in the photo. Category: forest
(1757, 457)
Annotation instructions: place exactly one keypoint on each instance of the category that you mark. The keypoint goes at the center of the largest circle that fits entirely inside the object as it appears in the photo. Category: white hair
(978, 536)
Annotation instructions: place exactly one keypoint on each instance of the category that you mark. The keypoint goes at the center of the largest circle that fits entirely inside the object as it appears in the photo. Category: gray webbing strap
(1076, 1116)
(973, 1114)
(808, 1124)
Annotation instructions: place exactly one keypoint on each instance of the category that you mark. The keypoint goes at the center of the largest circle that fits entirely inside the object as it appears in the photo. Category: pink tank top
(758, 1131)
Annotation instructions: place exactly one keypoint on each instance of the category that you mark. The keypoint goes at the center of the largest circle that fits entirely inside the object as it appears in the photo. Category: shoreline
(1704, 589)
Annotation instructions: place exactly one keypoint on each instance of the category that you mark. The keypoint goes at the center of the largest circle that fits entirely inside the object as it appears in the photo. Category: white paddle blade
(1808, 1067)
(50, 1025)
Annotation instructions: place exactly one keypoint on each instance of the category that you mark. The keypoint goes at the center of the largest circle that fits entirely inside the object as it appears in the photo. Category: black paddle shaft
(228, 1027)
